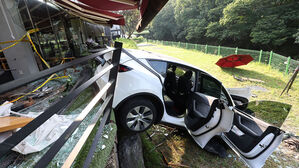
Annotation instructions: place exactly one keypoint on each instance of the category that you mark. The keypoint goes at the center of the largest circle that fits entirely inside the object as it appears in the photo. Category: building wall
(20, 57)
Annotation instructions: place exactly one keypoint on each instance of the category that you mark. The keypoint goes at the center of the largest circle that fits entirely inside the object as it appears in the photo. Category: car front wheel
(137, 115)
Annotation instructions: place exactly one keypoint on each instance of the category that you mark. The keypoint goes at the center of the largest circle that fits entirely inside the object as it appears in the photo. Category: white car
(152, 88)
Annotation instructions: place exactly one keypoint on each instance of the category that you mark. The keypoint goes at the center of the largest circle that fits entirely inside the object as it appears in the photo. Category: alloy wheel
(139, 118)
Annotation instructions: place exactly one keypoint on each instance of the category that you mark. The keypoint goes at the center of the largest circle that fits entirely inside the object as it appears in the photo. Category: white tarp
(43, 136)
(5, 109)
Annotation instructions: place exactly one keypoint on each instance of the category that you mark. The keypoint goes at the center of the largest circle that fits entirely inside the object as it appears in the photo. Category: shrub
(127, 43)
(139, 39)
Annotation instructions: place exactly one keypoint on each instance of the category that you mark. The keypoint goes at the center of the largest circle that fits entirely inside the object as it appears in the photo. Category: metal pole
(34, 26)
(288, 65)
(260, 57)
(219, 50)
(236, 51)
(270, 59)
(55, 35)
(206, 49)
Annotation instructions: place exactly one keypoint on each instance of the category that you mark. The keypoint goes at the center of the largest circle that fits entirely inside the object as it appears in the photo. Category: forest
(250, 24)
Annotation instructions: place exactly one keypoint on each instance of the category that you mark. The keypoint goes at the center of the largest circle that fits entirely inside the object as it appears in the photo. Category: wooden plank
(11, 123)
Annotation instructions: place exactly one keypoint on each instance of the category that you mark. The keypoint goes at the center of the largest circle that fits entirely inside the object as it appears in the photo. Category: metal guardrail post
(236, 51)
(260, 57)
(219, 50)
(270, 58)
(288, 65)
(112, 76)
(206, 49)
(113, 73)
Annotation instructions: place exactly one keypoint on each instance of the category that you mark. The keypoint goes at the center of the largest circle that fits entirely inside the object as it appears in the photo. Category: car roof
(141, 54)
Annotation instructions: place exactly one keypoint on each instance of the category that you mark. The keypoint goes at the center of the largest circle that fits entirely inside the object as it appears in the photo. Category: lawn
(267, 105)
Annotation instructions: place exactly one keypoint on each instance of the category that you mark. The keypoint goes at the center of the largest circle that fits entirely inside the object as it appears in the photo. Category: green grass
(272, 112)
(152, 158)
(275, 81)
(100, 156)
(127, 43)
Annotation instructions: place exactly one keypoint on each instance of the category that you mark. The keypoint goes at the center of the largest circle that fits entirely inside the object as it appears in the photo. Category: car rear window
(159, 66)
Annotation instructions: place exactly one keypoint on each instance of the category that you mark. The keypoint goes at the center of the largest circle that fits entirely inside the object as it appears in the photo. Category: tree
(252, 24)
(267, 22)
(164, 27)
(131, 18)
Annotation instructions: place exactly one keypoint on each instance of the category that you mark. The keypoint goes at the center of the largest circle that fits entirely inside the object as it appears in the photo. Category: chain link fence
(277, 61)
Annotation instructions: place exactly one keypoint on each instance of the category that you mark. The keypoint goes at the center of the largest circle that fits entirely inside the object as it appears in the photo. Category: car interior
(248, 133)
(178, 84)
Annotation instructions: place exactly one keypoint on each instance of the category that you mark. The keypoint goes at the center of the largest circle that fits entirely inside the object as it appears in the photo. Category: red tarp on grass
(234, 60)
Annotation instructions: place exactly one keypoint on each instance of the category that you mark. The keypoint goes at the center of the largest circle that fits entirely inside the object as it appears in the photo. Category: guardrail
(277, 61)
(105, 109)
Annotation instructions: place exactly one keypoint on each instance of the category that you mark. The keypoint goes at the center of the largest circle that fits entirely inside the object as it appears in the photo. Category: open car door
(252, 139)
(207, 114)
(211, 112)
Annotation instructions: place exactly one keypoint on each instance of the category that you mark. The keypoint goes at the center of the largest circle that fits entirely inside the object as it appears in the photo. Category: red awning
(111, 5)
(86, 12)
(98, 10)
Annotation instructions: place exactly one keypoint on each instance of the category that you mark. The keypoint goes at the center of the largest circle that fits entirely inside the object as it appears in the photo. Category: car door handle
(262, 145)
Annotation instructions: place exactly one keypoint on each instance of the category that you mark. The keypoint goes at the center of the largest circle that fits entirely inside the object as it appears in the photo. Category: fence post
(236, 51)
(270, 59)
(187, 45)
(179, 44)
(219, 50)
(196, 46)
(288, 65)
(206, 49)
(260, 57)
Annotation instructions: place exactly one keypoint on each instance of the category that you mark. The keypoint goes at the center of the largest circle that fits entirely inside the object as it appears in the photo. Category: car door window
(210, 86)
(159, 66)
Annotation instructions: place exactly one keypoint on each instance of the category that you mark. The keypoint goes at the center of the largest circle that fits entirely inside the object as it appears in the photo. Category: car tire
(137, 115)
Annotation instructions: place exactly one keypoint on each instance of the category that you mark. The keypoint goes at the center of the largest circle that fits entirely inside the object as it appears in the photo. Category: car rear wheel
(137, 115)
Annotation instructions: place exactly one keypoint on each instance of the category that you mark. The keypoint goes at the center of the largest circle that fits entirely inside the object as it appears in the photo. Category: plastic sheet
(45, 135)
(5, 109)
